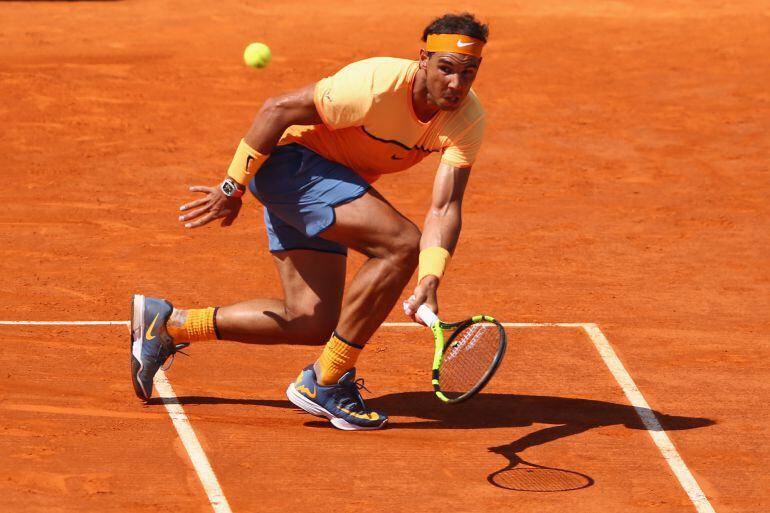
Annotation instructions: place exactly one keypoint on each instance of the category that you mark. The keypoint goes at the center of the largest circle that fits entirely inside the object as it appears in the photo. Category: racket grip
(426, 315)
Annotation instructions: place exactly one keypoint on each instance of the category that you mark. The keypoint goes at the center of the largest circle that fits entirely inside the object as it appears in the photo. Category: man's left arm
(440, 232)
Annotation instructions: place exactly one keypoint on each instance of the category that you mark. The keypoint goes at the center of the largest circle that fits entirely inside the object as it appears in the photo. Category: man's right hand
(214, 206)
(424, 293)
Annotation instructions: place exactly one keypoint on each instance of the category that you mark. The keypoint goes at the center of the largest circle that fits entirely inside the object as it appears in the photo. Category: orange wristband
(246, 162)
(432, 261)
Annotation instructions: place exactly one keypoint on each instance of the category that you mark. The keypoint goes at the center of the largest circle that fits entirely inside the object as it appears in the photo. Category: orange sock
(193, 325)
(338, 357)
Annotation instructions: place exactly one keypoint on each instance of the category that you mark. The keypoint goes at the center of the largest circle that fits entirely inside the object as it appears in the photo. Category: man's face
(449, 77)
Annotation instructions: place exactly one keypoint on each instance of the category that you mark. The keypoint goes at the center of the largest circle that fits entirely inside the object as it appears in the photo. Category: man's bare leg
(370, 225)
(373, 227)
(313, 284)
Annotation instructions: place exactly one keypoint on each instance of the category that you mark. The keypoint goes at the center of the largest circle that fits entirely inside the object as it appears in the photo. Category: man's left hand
(214, 206)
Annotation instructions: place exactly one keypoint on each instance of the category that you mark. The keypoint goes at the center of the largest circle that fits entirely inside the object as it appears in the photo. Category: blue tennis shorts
(299, 190)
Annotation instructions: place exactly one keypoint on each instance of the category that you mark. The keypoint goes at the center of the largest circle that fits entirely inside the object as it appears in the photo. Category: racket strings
(468, 358)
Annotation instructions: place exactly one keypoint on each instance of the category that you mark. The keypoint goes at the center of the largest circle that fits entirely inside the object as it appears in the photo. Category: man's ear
(424, 59)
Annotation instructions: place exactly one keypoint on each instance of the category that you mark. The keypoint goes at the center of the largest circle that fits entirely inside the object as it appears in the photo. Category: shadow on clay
(566, 416)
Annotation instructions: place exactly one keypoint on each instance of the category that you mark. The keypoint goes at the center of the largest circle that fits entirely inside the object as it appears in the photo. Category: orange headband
(454, 43)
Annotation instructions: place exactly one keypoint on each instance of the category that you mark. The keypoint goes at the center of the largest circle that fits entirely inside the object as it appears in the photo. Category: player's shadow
(565, 416)
(421, 410)
(511, 410)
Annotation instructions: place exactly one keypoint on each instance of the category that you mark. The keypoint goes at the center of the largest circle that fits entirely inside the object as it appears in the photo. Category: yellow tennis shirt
(370, 126)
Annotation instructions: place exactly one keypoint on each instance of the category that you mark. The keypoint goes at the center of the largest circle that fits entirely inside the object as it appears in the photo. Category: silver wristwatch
(231, 188)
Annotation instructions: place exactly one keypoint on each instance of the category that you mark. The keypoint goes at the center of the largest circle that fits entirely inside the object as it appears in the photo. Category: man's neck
(423, 107)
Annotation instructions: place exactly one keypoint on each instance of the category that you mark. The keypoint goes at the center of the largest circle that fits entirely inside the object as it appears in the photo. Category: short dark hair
(464, 23)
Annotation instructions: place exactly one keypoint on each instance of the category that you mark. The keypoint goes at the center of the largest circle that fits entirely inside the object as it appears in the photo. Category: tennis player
(310, 157)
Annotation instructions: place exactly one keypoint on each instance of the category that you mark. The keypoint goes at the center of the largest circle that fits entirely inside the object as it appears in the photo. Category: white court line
(506, 324)
(191, 444)
(610, 359)
(659, 436)
(384, 324)
(63, 323)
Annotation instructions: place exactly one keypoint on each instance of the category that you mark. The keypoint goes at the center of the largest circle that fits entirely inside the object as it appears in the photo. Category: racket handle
(426, 315)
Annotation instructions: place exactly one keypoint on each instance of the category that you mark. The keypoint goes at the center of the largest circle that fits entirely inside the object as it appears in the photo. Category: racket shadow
(524, 476)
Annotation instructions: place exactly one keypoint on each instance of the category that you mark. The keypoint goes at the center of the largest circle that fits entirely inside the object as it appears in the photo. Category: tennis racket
(467, 354)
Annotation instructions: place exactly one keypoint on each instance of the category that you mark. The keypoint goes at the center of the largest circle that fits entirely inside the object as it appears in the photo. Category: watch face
(228, 188)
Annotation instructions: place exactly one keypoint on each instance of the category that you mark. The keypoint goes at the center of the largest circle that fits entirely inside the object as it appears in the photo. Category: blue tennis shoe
(151, 345)
(342, 403)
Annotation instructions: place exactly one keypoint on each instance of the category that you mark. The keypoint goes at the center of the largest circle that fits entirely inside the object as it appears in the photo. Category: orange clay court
(622, 186)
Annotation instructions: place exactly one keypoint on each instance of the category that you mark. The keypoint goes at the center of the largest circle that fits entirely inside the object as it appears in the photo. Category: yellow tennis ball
(257, 55)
